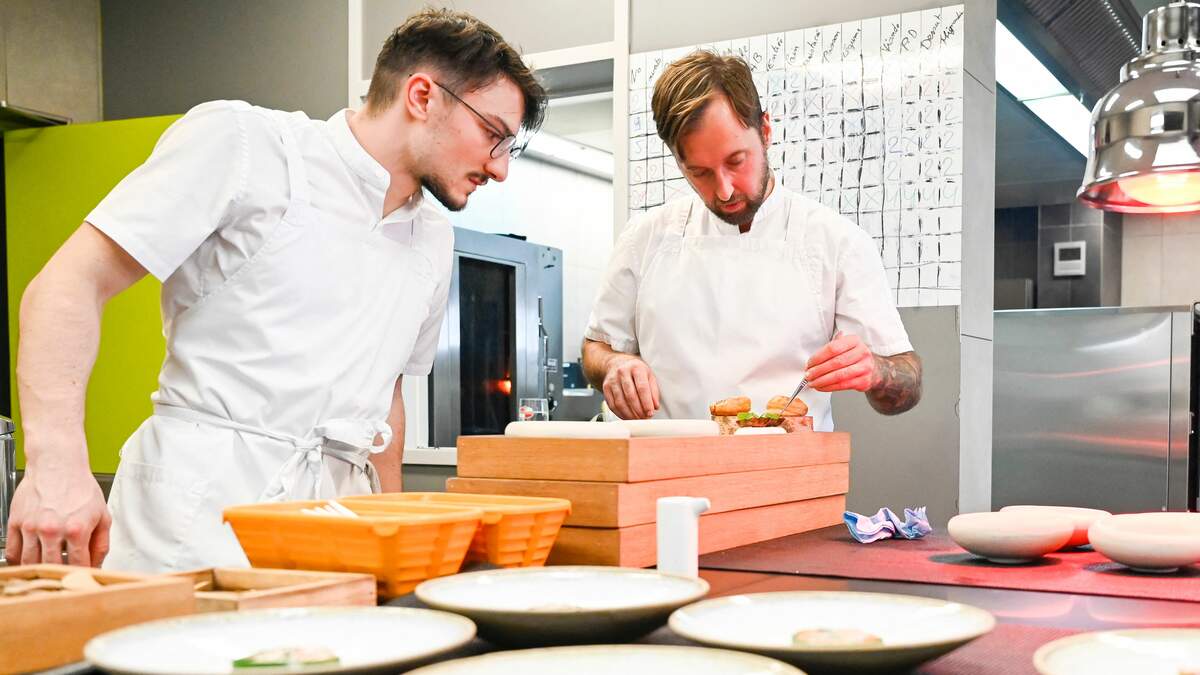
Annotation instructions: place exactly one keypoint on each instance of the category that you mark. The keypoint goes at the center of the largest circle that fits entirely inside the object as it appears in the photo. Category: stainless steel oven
(501, 340)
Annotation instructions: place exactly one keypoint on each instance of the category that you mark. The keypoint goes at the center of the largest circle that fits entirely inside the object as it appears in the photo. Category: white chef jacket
(836, 259)
(290, 307)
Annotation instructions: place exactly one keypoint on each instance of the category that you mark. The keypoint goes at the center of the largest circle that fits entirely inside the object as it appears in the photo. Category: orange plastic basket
(401, 544)
(515, 531)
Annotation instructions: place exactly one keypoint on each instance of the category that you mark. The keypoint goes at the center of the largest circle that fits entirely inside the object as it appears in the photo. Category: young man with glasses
(303, 277)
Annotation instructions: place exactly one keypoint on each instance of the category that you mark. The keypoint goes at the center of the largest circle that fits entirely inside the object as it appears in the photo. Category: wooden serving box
(232, 589)
(760, 487)
(50, 629)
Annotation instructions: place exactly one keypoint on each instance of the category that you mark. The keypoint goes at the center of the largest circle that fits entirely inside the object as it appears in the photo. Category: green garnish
(772, 416)
(289, 657)
(742, 417)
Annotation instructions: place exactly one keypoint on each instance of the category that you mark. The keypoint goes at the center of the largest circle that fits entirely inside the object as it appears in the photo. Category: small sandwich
(730, 406)
(795, 417)
(725, 412)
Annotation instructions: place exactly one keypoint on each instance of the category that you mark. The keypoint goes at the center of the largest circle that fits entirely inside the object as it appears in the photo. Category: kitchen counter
(1025, 619)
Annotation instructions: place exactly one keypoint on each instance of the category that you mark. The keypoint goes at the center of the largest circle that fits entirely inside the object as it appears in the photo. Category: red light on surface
(504, 386)
(1164, 189)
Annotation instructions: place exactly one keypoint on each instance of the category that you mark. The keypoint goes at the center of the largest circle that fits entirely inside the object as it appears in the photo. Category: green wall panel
(53, 178)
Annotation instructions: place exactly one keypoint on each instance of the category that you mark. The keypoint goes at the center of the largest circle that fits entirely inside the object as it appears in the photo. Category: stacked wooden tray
(760, 487)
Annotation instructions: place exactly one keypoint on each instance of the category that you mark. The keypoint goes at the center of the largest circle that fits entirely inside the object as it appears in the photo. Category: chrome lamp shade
(1145, 156)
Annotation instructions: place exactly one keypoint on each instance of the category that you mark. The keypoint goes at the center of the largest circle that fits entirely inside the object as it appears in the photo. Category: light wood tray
(635, 546)
(601, 504)
(231, 589)
(643, 459)
(50, 629)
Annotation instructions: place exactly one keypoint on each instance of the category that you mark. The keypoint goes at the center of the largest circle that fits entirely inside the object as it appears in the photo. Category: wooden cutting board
(602, 504)
(633, 460)
(635, 546)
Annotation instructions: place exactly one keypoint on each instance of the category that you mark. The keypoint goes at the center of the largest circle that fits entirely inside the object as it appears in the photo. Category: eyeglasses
(507, 142)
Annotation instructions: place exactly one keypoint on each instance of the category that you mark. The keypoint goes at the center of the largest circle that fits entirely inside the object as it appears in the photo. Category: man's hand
(892, 383)
(844, 363)
(53, 509)
(630, 388)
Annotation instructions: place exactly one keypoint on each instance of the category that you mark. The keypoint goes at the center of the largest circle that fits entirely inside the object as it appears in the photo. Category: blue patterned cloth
(885, 525)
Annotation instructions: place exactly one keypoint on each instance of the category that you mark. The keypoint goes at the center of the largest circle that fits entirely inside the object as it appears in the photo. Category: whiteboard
(867, 119)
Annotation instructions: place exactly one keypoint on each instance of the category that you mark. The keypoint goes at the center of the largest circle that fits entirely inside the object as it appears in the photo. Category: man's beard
(753, 204)
(433, 185)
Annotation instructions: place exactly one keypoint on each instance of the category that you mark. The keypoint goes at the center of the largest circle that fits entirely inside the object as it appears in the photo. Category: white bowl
(1149, 542)
(605, 659)
(538, 606)
(1155, 651)
(1083, 518)
(910, 630)
(365, 639)
(1011, 537)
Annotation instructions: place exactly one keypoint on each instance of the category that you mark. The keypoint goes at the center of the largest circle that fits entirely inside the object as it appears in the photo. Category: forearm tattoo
(898, 383)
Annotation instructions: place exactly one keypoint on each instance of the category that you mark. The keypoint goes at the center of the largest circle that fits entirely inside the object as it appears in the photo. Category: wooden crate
(603, 504)
(232, 589)
(635, 546)
(51, 629)
(634, 460)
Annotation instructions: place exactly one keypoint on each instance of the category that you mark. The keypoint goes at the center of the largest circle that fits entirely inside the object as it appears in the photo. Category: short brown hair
(688, 85)
(467, 52)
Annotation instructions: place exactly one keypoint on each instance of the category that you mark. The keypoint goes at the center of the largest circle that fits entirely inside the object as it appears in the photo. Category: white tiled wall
(1159, 259)
(555, 207)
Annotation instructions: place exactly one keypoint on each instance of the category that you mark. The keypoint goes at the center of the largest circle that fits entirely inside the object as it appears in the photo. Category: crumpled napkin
(885, 524)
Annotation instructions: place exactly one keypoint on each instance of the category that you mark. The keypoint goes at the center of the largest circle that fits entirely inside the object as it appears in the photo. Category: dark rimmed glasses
(507, 142)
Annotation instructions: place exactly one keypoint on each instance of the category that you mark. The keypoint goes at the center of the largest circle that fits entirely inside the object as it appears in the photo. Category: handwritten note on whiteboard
(868, 120)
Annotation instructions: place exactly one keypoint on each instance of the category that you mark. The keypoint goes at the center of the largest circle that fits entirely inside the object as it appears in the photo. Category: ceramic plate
(911, 630)
(365, 639)
(1154, 651)
(1154, 542)
(1011, 537)
(607, 659)
(1083, 518)
(537, 606)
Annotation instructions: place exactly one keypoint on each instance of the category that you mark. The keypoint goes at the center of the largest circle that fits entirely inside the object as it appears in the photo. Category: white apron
(721, 316)
(277, 384)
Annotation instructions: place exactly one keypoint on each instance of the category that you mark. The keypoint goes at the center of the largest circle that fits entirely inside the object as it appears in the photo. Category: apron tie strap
(302, 476)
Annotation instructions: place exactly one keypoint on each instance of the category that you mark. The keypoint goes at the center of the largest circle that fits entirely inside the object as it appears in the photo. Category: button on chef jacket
(717, 313)
(290, 306)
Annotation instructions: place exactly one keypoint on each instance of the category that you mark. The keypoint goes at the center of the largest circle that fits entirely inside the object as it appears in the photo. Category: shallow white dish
(759, 431)
(365, 639)
(535, 606)
(607, 659)
(912, 629)
(644, 428)
(1011, 536)
(1149, 542)
(1081, 517)
(1152, 651)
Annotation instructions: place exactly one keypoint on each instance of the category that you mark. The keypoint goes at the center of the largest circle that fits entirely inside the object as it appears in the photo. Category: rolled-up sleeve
(614, 313)
(865, 305)
(163, 210)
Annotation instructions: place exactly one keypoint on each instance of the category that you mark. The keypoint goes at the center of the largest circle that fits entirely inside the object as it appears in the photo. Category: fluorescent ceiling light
(1019, 71)
(1067, 116)
(570, 154)
(1031, 83)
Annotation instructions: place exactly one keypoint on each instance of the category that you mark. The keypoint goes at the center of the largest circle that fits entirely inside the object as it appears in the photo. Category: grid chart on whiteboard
(866, 117)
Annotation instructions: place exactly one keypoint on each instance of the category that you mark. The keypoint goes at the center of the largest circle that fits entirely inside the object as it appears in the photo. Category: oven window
(487, 349)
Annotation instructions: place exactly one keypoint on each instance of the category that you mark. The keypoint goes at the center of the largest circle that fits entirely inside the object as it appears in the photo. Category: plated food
(270, 641)
(79, 580)
(834, 631)
(736, 413)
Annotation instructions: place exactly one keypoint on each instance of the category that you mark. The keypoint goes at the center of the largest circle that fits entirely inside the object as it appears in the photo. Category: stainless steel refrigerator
(1095, 407)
